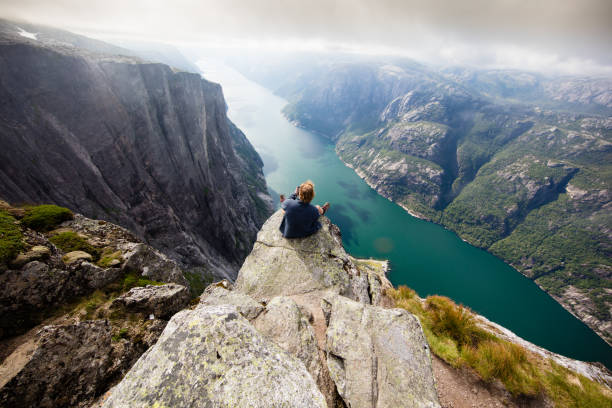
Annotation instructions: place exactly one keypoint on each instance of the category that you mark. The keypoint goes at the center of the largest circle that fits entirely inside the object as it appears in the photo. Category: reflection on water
(424, 256)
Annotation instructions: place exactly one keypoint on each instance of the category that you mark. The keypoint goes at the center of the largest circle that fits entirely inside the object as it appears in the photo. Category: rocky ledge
(73, 322)
(304, 325)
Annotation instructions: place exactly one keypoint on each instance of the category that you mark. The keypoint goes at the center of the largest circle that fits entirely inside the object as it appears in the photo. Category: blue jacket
(300, 220)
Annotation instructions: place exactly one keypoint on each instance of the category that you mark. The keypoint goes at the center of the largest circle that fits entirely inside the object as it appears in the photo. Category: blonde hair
(306, 191)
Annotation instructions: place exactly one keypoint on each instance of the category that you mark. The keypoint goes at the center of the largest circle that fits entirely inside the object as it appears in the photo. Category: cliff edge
(303, 326)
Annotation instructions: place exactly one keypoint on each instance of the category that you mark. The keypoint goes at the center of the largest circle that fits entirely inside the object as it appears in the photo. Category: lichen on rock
(213, 357)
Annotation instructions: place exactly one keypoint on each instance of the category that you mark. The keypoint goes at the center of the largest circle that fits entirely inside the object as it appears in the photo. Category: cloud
(563, 30)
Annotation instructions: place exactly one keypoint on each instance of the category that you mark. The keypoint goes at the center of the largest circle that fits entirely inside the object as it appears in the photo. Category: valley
(422, 255)
(500, 157)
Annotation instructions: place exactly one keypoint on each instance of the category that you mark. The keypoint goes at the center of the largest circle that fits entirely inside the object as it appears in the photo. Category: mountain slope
(134, 143)
(524, 178)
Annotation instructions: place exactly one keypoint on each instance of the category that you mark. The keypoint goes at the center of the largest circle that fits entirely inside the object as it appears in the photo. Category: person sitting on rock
(301, 217)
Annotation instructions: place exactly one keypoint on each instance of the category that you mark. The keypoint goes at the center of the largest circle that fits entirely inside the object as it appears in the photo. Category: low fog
(564, 36)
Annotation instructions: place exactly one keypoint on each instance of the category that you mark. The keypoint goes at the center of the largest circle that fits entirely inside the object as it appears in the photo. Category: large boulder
(96, 277)
(213, 357)
(161, 301)
(378, 357)
(152, 264)
(278, 266)
(288, 334)
(66, 365)
(217, 295)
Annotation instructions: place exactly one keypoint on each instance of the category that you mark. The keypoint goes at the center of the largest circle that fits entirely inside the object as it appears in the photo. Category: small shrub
(11, 239)
(46, 217)
(70, 241)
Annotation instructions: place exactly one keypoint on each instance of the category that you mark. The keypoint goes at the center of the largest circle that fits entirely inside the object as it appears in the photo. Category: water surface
(423, 255)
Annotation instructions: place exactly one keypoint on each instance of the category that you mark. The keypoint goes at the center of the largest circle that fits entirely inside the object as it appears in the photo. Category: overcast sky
(568, 36)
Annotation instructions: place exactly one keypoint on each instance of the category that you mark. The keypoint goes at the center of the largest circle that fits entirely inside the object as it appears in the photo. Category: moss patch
(11, 239)
(106, 260)
(70, 241)
(46, 217)
(133, 280)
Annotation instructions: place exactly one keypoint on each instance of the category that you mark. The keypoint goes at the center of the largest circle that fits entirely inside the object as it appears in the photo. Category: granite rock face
(152, 264)
(280, 267)
(212, 357)
(379, 357)
(289, 327)
(340, 352)
(134, 143)
(246, 306)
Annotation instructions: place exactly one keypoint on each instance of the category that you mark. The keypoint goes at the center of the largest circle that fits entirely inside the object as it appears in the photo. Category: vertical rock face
(379, 357)
(137, 144)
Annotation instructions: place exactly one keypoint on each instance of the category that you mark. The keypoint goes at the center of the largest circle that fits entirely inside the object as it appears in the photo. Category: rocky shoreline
(601, 328)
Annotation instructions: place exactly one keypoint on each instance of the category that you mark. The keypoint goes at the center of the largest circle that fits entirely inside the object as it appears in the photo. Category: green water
(423, 255)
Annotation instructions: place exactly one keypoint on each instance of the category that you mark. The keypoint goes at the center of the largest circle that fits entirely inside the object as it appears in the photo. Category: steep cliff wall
(130, 142)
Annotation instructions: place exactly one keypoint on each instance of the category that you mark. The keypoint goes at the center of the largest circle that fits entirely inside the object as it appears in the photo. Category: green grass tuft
(450, 320)
(498, 359)
(70, 241)
(107, 258)
(133, 280)
(46, 217)
(11, 239)
(568, 389)
(454, 336)
(121, 334)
